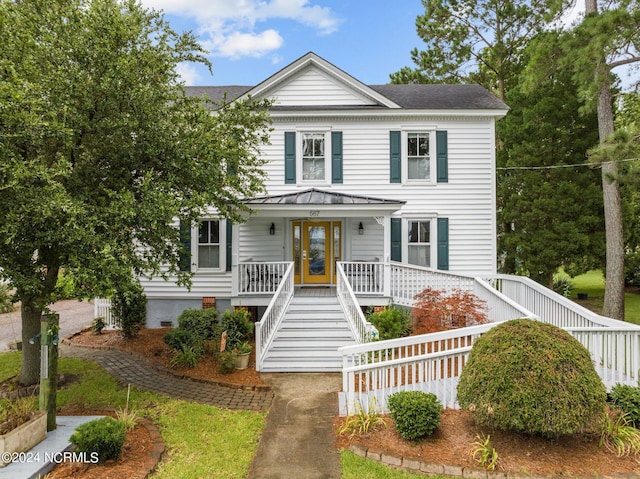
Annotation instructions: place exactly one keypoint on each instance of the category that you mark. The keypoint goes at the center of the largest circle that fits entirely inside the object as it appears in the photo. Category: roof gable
(312, 81)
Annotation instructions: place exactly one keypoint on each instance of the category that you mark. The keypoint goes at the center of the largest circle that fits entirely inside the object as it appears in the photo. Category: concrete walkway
(298, 439)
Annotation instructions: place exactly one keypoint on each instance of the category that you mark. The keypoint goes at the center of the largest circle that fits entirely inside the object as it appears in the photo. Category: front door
(317, 245)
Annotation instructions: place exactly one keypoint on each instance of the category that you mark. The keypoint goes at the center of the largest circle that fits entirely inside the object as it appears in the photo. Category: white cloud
(238, 44)
(188, 74)
(228, 28)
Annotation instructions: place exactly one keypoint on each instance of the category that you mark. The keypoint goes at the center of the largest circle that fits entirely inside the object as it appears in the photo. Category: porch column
(235, 251)
(386, 256)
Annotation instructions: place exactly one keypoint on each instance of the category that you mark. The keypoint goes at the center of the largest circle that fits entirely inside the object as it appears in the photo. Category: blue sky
(249, 40)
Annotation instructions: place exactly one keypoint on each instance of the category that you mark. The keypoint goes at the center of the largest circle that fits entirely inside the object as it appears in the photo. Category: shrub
(180, 339)
(98, 325)
(226, 362)
(618, 435)
(627, 399)
(65, 286)
(237, 323)
(416, 413)
(434, 310)
(363, 422)
(531, 377)
(129, 308)
(6, 301)
(563, 285)
(391, 323)
(103, 436)
(188, 357)
(204, 323)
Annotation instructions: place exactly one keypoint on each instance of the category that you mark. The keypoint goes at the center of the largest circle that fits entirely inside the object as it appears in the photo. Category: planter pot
(24, 437)
(242, 361)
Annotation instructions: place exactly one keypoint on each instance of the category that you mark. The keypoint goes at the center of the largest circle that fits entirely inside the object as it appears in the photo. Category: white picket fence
(102, 309)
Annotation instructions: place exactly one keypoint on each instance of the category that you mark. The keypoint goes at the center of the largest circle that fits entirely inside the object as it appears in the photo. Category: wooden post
(49, 367)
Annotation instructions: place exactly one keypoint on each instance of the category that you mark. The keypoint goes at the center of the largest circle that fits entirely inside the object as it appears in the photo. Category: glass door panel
(316, 252)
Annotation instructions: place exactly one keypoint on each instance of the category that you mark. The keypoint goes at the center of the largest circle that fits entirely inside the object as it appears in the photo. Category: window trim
(328, 156)
(222, 250)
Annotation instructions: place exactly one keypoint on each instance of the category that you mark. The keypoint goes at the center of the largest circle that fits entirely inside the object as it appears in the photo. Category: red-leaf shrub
(435, 310)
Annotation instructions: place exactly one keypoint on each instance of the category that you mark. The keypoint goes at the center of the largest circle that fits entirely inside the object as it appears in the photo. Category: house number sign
(314, 213)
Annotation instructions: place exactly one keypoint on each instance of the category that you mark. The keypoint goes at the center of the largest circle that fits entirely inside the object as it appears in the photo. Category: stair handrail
(362, 329)
(266, 328)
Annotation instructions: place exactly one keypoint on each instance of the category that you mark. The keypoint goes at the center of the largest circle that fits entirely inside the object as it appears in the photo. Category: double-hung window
(209, 244)
(419, 243)
(419, 156)
(314, 166)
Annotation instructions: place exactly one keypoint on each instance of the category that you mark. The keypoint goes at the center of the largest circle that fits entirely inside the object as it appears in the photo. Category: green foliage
(187, 357)
(618, 434)
(103, 436)
(226, 362)
(520, 370)
(627, 399)
(180, 339)
(97, 158)
(65, 286)
(363, 422)
(203, 323)
(242, 348)
(98, 324)
(391, 323)
(15, 412)
(484, 453)
(6, 302)
(416, 413)
(129, 308)
(128, 417)
(632, 268)
(563, 285)
(237, 323)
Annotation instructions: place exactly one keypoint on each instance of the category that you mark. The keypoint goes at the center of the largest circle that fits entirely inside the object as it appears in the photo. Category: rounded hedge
(416, 413)
(531, 377)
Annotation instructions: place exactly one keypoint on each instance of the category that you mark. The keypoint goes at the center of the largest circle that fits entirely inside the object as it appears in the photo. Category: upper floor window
(313, 157)
(418, 156)
(209, 244)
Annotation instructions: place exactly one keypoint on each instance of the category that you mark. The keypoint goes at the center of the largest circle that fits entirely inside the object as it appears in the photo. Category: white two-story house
(359, 178)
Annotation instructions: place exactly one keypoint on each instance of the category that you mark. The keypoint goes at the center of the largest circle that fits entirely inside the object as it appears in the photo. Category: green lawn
(592, 283)
(201, 440)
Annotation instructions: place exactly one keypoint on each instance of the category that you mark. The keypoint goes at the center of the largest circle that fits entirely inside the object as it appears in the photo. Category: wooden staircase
(309, 337)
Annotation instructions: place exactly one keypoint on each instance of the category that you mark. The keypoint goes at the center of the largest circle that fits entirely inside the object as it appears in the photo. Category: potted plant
(242, 352)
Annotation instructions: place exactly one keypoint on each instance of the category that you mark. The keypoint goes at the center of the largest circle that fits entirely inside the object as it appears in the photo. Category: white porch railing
(364, 277)
(362, 329)
(266, 328)
(260, 277)
(433, 362)
(102, 308)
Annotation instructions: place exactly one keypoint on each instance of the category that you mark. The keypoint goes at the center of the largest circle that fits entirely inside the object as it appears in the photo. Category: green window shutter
(184, 263)
(229, 243)
(442, 157)
(443, 243)
(396, 239)
(290, 157)
(395, 156)
(336, 157)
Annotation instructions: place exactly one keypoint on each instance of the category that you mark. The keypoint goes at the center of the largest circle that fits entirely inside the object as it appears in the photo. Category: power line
(552, 167)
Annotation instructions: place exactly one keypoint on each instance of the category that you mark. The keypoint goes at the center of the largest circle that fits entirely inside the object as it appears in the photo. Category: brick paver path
(138, 372)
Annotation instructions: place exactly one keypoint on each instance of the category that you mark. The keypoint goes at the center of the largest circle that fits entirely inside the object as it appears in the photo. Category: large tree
(554, 209)
(476, 41)
(101, 149)
(593, 50)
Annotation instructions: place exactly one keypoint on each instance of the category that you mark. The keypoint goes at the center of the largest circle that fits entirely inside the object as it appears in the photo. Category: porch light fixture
(360, 229)
(272, 229)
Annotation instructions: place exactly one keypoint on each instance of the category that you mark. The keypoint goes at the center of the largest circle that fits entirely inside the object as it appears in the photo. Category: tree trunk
(31, 314)
(614, 234)
(614, 280)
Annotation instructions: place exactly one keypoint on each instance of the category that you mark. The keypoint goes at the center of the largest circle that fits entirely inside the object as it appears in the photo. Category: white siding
(314, 87)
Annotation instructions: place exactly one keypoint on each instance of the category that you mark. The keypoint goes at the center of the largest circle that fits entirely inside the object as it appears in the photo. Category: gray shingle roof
(415, 96)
